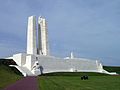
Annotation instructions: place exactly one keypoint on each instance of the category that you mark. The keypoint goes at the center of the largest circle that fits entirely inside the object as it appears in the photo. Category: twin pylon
(37, 38)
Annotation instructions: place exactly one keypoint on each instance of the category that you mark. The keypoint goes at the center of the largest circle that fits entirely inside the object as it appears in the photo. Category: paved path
(27, 83)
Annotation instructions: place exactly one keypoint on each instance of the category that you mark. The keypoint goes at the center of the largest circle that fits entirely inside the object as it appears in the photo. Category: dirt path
(27, 83)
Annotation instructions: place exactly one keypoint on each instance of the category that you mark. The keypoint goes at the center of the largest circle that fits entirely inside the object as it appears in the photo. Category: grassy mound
(8, 74)
(74, 74)
(64, 80)
(72, 81)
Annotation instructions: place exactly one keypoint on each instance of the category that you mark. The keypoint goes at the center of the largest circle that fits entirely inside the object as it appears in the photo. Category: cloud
(90, 28)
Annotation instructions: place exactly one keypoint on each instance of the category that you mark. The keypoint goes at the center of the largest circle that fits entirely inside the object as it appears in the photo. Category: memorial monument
(37, 59)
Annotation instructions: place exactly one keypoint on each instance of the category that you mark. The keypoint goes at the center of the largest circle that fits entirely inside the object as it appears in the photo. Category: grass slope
(72, 81)
(100, 82)
(64, 81)
(8, 75)
(74, 74)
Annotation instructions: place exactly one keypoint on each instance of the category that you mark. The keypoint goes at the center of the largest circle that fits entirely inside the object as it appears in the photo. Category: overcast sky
(89, 28)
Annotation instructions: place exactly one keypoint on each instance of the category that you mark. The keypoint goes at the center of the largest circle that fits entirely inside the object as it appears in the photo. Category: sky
(88, 28)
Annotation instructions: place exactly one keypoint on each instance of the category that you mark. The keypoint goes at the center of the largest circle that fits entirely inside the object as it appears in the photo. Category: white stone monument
(31, 36)
(42, 37)
(37, 60)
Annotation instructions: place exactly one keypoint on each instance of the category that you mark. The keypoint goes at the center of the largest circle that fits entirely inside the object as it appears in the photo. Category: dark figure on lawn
(85, 77)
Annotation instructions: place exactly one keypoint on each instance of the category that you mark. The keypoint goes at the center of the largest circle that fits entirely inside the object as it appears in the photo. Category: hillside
(8, 74)
(75, 83)
(72, 81)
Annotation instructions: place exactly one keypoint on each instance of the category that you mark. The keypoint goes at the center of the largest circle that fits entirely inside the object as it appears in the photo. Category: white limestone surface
(20, 59)
(37, 59)
(42, 37)
(31, 35)
(53, 64)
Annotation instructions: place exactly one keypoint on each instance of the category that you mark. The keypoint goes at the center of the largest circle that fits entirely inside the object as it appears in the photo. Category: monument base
(30, 65)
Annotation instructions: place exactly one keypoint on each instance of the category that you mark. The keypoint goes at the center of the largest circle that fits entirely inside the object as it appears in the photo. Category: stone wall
(53, 64)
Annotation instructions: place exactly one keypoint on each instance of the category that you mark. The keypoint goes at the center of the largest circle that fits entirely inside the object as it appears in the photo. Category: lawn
(63, 81)
(99, 82)
(7, 76)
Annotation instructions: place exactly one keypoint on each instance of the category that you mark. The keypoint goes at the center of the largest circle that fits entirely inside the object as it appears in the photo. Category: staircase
(110, 73)
(23, 70)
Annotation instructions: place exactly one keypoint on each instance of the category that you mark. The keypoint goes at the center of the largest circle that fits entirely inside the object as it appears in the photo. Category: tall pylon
(31, 35)
(43, 47)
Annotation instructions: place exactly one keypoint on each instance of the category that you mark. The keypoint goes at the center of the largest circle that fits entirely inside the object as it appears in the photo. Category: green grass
(72, 81)
(74, 74)
(64, 81)
(7, 76)
(75, 83)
